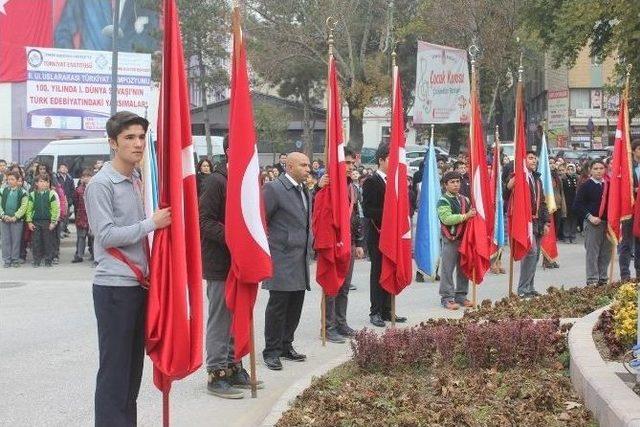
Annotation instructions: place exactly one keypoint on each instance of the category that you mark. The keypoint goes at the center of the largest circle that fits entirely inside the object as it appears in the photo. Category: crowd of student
(35, 208)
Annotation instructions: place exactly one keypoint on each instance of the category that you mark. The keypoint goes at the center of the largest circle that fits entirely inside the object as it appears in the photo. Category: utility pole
(114, 57)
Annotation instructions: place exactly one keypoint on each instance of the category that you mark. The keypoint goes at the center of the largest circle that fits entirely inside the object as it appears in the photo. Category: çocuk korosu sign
(71, 89)
(442, 85)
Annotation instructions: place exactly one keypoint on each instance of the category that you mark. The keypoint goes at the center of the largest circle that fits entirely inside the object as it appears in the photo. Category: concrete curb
(298, 387)
(612, 402)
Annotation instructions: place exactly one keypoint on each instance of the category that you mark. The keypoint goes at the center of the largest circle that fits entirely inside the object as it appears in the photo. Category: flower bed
(616, 330)
(555, 304)
(448, 373)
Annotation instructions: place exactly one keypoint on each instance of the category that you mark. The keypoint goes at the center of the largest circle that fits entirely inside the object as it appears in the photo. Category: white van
(80, 154)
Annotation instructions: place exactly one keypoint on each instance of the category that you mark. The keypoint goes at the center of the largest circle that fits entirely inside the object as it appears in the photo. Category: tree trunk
(205, 106)
(307, 131)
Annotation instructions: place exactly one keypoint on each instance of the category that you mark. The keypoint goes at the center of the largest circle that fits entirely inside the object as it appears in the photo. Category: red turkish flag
(620, 200)
(22, 23)
(174, 313)
(395, 232)
(331, 212)
(245, 222)
(520, 216)
(477, 238)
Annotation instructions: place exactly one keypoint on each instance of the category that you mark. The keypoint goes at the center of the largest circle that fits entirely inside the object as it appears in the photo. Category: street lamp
(115, 32)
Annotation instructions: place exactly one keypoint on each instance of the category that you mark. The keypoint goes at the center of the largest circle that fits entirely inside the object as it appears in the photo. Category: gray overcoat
(289, 234)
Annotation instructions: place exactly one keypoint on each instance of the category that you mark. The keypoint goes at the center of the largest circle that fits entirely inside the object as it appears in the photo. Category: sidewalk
(49, 350)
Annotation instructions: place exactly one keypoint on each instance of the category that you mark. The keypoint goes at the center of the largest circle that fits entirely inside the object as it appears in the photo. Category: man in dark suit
(288, 215)
(282, 164)
(373, 190)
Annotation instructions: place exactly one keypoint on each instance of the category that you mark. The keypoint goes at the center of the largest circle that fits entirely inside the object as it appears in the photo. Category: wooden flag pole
(252, 361)
(474, 294)
(393, 311)
(612, 263)
(510, 267)
(323, 316)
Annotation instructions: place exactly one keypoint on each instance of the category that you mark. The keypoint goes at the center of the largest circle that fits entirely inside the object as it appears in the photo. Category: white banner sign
(442, 85)
(558, 110)
(71, 89)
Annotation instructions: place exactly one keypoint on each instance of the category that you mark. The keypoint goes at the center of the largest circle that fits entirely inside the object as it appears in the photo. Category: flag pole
(520, 76)
(498, 171)
(252, 361)
(473, 51)
(330, 24)
(393, 82)
(510, 266)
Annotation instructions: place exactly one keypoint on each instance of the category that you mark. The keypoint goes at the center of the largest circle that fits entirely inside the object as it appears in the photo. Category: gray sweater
(117, 220)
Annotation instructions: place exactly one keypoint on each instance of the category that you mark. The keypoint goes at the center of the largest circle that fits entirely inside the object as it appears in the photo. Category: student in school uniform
(590, 205)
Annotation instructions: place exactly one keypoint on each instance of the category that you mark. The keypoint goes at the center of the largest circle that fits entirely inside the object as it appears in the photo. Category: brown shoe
(450, 305)
(466, 303)
(503, 271)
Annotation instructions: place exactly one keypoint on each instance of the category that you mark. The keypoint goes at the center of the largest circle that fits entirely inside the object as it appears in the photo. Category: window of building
(386, 135)
(579, 98)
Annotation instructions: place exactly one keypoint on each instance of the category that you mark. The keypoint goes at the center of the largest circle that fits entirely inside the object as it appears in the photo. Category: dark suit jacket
(373, 189)
(290, 236)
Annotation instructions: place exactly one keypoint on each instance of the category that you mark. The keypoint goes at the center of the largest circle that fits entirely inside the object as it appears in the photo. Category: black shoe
(273, 363)
(218, 384)
(240, 378)
(525, 296)
(352, 287)
(602, 282)
(399, 319)
(534, 294)
(419, 277)
(293, 356)
(376, 320)
(76, 259)
(335, 337)
(346, 331)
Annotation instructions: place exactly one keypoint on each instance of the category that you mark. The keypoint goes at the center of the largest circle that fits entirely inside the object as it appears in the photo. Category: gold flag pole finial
(628, 77)
(521, 66)
(331, 25)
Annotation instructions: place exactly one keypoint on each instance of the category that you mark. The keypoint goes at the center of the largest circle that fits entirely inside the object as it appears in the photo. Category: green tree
(296, 30)
(609, 27)
(271, 125)
(297, 78)
(205, 36)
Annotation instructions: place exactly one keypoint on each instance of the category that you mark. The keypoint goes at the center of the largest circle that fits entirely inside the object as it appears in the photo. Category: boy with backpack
(13, 207)
(43, 212)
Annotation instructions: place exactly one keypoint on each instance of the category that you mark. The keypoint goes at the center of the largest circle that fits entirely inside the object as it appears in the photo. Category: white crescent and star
(2, 4)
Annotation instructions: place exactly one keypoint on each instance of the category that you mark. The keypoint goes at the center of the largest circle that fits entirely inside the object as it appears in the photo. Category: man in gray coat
(288, 215)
